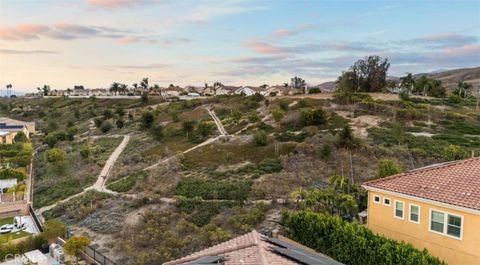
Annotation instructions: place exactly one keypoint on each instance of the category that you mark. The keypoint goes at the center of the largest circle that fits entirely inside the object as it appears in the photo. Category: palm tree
(339, 182)
(115, 87)
(44, 90)
(407, 82)
(144, 84)
(123, 88)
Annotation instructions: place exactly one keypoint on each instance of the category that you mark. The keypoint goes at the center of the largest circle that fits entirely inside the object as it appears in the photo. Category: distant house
(250, 91)
(15, 126)
(435, 207)
(256, 249)
(6, 137)
(173, 91)
(226, 90)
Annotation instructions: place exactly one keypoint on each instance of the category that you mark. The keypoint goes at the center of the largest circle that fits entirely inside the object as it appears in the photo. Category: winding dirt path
(101, 180)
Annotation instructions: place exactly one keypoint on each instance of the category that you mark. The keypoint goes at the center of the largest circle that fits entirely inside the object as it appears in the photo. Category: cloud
(112, 4)
(282, 33)
(10, 51)
(22, 32)
(262, 47)
(147, 66)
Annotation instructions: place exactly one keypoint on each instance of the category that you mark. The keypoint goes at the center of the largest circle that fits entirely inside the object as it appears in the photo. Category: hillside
(182, 179)
(450, 78)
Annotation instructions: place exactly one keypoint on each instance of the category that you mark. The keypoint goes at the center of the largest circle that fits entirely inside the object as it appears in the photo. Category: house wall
(7, 139)
(465, 251)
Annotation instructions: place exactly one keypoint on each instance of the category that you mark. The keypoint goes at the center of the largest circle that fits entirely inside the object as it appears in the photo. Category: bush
(213, 189)
(9, 173)
(85, 151)
(313, 117)
(278, 114)
(200, 211)
(147, 120)
(260, 138)
(55, 155)
(351, 243)
(107, 114)
(314, 90)
(20, 137)
(290, 136)
(346, 139)
(283, 105)
(157, 132)
(127, 183)
(387, 167)
(120, 123)
(106, 127)
(453, 152)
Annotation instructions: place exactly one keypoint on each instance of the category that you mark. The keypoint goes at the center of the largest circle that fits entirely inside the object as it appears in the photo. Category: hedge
(351, 243)
(9, 173)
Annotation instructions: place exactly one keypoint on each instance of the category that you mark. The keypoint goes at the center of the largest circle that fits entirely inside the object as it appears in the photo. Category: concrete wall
(10, 209)
(464, 251)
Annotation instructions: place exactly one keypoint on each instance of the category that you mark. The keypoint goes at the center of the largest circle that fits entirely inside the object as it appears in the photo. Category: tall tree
(464, 89)
(75, 245)
(370, 73)
(44, 90)
(407, 83)
(144, 84)
(298, 83)
(115, 87)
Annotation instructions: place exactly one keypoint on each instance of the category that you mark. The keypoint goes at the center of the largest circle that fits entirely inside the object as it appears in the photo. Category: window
(446, 224)
(386, 201)
(414, 213)
(399, 209)
(376, 199)
(437, 221)
(454, 226)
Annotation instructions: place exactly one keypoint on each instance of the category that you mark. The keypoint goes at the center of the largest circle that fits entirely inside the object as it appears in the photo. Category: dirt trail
(101, 180)
(217, 121)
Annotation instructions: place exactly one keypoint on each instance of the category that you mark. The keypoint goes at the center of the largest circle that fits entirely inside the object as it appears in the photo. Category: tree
(345, 87)
(429, 87)
(144, 84)
(298, 83)
(346, 139)
(370, 74)
(205, 128)
(20, 137)
(115, 87)
(187, 127)
(55, 155)
(75, 245)
(107, 114)
(120, 112)
(463, 89)
(106, 126)
(144, 98)
(120, 123)
(407, 83)
(147, 120)
(387, 167)
(313, 117)
(260, 138)
(53, 228)
(123, 88)
(44, 90)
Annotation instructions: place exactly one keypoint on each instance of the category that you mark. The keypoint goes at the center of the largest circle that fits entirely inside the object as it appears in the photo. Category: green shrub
(200, 211)
(127, 183)
(9, 173)
(55, 155)
(106, 126)
(290, 136)
(191, 187)
(387, 167)
(313, 117)
(349, 242)
(260, 138)
(85, 151)
(453, 152)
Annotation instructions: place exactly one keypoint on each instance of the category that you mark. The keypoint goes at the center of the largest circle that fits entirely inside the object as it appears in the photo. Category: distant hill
(450, 78)
(328, 86)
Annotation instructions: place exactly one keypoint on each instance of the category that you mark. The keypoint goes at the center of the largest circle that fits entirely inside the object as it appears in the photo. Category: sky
(93, 43)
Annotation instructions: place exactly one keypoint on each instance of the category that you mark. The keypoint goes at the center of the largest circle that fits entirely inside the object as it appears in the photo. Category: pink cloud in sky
(472, 49)
(128, 40)
(113, 3)
(283, 33)
(262, 47)
(22, 32)
(444, 36)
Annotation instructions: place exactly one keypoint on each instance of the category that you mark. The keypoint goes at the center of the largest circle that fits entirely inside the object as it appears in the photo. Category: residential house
(256, 249)
(226, 90)
(250, 91)
(172, 91)
(435, 207)
(29, 126)
(209, 91)
(6, 137)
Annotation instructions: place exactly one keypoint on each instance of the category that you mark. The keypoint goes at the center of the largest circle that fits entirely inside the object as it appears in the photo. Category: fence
(35, 218)
(93, 253)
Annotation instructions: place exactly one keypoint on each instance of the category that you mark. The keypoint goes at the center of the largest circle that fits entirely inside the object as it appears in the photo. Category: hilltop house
(256, 249)
(435, 207)
(172, 91)
(226, 90)
(250, 91)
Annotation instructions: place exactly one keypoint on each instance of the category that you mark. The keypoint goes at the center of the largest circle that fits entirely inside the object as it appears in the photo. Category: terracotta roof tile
(249, 249)
(456, 183)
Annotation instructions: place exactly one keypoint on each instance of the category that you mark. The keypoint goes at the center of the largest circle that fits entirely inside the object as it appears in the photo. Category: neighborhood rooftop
(255, 248)
(455, 183)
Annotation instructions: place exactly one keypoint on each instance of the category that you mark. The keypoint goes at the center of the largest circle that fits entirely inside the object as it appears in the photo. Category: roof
(14, 122)
(3, 133)
(456, 183)
(254, 248)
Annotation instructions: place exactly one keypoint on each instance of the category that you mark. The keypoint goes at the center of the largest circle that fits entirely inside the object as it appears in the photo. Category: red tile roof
(456, 183)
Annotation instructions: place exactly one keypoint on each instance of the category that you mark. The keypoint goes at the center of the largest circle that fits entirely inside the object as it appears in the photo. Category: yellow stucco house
(435, 207)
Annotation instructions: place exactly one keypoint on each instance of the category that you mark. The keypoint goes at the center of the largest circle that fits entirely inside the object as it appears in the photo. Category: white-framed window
(399, 209)
(376, 199)
(387, 201)
(445, 223)
(414, 213)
